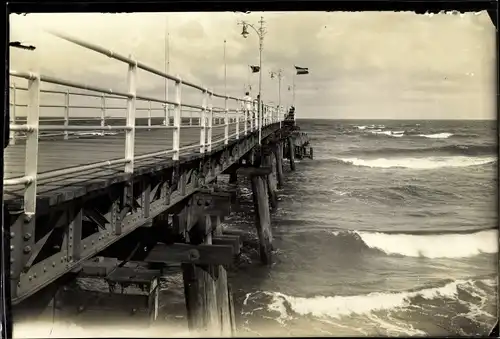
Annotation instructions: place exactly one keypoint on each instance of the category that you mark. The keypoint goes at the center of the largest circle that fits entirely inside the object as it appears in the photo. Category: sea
(391, 230)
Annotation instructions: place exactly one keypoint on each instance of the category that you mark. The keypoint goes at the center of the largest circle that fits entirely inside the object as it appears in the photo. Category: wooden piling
(291, 153)
(231, 310)
(311, 155)
(233, 177)
(262, 217)
(201, 293)
(279, 164)
(223, 294)
(267, 161)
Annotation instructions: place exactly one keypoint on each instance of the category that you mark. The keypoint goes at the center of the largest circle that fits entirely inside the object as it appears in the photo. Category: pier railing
(208, 116)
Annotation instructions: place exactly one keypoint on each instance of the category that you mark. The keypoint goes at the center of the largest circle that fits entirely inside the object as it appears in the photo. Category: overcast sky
(381, 65)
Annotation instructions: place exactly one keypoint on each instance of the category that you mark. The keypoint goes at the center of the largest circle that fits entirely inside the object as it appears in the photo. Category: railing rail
(208, 118)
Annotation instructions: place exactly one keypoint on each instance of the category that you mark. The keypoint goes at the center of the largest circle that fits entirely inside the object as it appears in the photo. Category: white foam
(360, 127)
(339, 306)
(436, 136)
(433, 246)
(396, 134)
(421, 163)
(96, 133)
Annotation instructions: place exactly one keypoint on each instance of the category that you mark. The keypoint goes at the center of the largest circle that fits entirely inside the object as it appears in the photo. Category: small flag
(18, 44)
(255, 69)
(272, 75)
(289, 88)
(302, 70)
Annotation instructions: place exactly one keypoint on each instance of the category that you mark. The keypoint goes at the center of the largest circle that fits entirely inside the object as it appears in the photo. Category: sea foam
(433, 245)
(420, 163)
(339, 306)
(436, 135)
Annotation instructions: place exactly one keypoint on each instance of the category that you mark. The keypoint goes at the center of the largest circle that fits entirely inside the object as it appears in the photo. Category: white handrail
(208, 118)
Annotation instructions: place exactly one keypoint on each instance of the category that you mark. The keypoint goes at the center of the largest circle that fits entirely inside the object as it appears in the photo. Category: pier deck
(83, 191)
(61, 154)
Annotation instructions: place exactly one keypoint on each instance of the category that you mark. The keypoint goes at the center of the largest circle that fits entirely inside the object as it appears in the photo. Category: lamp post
(279, 74)
(261, 31)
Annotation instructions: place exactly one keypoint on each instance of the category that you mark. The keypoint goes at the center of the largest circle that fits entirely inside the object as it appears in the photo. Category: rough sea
(390, 231)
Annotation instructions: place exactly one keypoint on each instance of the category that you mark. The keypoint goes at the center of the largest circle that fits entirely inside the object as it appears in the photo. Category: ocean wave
(436, 135)
(95, 133)
(395, 134)
(341, 306)
(430, 245)
(419, 163)
(458, 149)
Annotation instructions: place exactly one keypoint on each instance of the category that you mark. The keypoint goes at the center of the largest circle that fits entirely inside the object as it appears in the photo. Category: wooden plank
(133, 275)
(192, 254)
(255, 171)
(229, 240)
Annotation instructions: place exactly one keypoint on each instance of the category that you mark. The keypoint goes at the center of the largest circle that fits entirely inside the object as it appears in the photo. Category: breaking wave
(449, 149)
(447, 245)
(436, 135)
(420, 163)
(341, 306)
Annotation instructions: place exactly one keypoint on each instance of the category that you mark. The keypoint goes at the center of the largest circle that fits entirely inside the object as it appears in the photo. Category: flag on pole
(289, 88)
(302, 70)
(272, 75)
(255, 69)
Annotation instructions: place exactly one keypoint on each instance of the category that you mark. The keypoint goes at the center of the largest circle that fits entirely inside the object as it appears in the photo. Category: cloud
(357, 60)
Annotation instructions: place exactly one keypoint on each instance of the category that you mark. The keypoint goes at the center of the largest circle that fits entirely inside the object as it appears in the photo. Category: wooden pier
(122, 208)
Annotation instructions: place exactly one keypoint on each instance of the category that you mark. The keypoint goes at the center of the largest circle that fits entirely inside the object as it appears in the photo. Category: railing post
(130, 133)
(245, 118)
(191, 117)
(103, 112)
(210, 120)
(31, 160)
(149, 115)
(237, 123)
(177, 119)
(226, 122)
(12, 117)
(66, 114)
(203, 120)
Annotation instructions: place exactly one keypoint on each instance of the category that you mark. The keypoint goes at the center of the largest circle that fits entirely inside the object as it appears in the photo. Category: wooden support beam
(233, 177)
(267, 161)
(215, 203)
(228, 240)
(291, 153)
(223, 297)
(133, 291)
(194, 254)
(263, 217)
(231, 310)
(255, 171)
(279, 164)
(311, 154)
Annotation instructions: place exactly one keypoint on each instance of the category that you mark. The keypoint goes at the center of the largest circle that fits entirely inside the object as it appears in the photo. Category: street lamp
(279, 74)
(261, 31)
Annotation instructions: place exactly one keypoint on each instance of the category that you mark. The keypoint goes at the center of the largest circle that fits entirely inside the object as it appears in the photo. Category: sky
(363, 65)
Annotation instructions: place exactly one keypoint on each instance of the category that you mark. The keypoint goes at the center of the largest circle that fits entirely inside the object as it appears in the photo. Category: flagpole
(293, 90)
(248, 79)
(225, 70)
